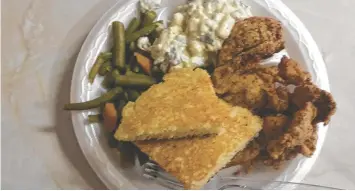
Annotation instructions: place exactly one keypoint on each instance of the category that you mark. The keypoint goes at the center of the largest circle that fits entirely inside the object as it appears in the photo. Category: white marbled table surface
(40, 41)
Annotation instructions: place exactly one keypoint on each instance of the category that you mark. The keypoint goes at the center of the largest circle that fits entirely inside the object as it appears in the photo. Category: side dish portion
(197, 29)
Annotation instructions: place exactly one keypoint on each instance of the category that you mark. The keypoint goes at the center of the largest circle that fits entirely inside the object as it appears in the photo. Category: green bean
(132, 46)
(115, 73)
(149, 17)
(119, 107)
(95, 68)
(133, 73)
(108, 81)
(106, 55)
(125, 96)
(128, 68)
(132, 63)
(136, 69)
(132, 95)
(139, 80)
(105, 68)
(95, 102)
(119, 46)
(142, 32)
(133, 26)
(120, 104)
(155, 34)
(95, 118)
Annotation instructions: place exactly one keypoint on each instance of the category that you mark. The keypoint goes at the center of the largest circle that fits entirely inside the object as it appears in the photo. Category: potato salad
(196, 28)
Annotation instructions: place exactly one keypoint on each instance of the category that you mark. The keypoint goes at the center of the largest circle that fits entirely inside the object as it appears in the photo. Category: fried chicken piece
(254, 89)
(253, 38)
(300, 130)
(309, 146)
(307, 149)
(274, 126)
(277, 99)
(243, 90)
(246, 155)
(289, 154)
(304, 94)
(322, 99)
(326, 107)
(239, 79)
(292, 72)
(268, 74)
(222, 74)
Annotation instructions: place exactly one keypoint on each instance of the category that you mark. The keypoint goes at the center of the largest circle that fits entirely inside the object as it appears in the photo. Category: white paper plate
(118, 172)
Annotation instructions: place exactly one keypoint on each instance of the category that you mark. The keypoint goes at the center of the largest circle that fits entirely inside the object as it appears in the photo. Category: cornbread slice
(194, 161)
(185, 104)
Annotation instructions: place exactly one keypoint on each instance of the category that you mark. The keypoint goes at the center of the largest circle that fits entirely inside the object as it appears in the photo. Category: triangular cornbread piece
(194, 161)
(185, 104)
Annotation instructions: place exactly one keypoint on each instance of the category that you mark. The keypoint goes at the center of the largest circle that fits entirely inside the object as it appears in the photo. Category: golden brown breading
(292, 72)
(304, 94)
(288, 154)
(307, 149)
(326, 107)
(269, 74)
(244, 90)
(221, 76)
(309, 146)
(253, 38)
(183, 105)
(195, 160)
(277, 99)
(274, 126)
(300, 130)
(254, 89)
(322, 99)
(241, 80)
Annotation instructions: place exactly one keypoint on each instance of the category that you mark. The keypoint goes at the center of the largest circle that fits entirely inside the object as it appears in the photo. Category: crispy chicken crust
(253, 38)
(242, 81)
(323, 101)
(274, 126)
(254, 89)
(300, 130)
(292, 72)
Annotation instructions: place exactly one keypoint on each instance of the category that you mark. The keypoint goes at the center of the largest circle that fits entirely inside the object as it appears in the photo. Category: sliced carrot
(144, 62)
(110, 116)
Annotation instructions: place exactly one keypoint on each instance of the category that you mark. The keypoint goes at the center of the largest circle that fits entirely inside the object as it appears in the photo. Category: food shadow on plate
(66, 135)
(64, 128)
(129, 155)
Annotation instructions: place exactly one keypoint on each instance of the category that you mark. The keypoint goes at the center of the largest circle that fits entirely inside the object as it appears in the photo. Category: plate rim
(277, 7)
